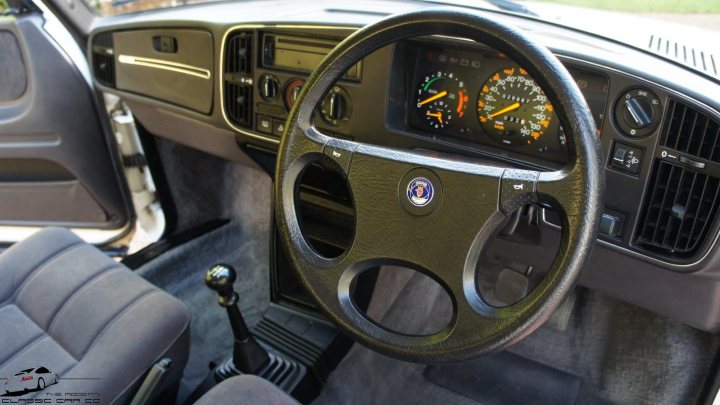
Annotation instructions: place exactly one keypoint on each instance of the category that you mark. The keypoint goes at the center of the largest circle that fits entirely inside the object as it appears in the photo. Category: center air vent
(237, 78)
(238, 59)
(682, 201)
(238, 103)
(103, 59)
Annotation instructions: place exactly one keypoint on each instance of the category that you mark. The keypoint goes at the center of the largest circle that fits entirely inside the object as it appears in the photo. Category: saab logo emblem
(420, 191)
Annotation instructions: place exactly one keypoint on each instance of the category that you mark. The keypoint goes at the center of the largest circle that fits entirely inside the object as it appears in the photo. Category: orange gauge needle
(433, 98)
(437, 115)
(504, 110)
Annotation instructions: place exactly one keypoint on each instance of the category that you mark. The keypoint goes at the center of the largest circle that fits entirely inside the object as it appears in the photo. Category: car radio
(299, 54)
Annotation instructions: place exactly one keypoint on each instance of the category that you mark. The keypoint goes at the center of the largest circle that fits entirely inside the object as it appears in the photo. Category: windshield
(698, 13)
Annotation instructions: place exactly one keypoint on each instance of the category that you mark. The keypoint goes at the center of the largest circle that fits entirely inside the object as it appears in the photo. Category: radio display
(301, 54)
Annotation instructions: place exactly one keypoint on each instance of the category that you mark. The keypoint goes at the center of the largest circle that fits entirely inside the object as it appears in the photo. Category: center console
(264, 72)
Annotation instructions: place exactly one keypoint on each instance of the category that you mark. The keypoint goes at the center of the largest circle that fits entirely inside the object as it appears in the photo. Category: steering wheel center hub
(420, 191)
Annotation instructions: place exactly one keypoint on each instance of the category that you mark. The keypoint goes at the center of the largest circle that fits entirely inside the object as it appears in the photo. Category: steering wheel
(439, 230)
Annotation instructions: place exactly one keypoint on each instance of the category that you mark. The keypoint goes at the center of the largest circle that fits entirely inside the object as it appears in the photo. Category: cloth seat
(67, 306)
(246, 390)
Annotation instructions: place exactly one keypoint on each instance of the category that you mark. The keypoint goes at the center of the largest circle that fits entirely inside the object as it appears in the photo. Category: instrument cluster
(478, 97)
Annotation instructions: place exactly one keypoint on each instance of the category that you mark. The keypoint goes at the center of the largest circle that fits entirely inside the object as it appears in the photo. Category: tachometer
(441, 99)
(512, 108)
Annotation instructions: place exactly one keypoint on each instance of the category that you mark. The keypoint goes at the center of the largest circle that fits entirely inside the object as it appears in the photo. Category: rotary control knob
(336, 107)
(292, 91)
(269, 87)
(638, 112)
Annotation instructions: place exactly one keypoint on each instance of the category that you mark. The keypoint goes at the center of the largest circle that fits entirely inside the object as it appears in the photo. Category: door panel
(58, 165)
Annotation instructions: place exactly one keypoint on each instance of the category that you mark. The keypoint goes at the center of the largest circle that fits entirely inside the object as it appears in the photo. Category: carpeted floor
(622, 354)
(212, 188)
(181, 272)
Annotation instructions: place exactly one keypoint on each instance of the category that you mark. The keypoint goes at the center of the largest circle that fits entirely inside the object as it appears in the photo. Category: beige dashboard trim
(165, 65)
(222, 59)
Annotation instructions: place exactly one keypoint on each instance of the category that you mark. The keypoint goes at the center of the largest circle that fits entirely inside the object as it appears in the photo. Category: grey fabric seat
(67, 306)
(246, 390)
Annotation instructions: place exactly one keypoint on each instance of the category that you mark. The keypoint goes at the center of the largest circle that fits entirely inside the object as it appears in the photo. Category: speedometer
(512, 108)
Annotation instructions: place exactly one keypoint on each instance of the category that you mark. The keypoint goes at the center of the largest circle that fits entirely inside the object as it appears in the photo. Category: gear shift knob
(221, 278)
(248, 355)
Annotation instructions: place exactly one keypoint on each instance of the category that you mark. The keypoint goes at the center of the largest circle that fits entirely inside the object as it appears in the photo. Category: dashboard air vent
(238, 57)
(237, 78)
(103, 59)
(238, 103)
(680, 210)
(691, 132)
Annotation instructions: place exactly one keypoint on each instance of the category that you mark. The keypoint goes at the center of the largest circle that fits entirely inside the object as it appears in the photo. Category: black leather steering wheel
(460, 212)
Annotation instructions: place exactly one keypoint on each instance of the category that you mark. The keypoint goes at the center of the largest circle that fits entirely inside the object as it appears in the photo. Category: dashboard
(226, 87)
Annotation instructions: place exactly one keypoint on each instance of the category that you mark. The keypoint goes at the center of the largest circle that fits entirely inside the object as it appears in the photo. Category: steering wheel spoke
(563, 190)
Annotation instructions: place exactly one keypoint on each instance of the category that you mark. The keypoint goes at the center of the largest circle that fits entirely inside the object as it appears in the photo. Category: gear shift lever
(248, 355)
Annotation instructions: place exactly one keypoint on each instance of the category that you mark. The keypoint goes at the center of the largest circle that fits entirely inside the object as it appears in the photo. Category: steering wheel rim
(383, 218)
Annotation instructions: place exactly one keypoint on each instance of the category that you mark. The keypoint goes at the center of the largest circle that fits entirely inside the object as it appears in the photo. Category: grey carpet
(205, 187)
(622, 353)
(181, 273)
(402, 301)
(210, 188)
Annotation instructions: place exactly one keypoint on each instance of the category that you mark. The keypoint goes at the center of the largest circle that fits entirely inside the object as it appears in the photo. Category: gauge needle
(433, 98)
(437, 115)
(504, 110)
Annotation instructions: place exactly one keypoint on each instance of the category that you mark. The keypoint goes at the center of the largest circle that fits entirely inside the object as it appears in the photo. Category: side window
(3, 6)
(42, 370)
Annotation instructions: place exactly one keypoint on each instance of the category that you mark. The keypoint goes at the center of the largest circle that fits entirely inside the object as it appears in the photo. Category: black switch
(626, 158)
(264, 124)
(611, 225)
